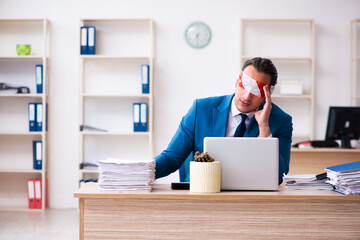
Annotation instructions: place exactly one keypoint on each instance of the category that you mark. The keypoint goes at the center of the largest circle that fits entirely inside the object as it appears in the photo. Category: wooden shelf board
(294, 97)
(116, 95)
(276, 58)
(21, 133)
(14, 170)
(115, 57)
(22, 95)
(277, 20)
(115, 133)
(331, 150)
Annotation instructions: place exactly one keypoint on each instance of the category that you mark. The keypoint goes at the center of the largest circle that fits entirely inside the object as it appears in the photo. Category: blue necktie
(240, 130)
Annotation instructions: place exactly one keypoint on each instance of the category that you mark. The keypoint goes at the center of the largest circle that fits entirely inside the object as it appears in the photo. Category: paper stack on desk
(345, 178)
(117, 175)
(305, 181)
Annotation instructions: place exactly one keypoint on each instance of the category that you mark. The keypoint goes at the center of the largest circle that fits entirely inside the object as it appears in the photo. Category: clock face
(197, 35)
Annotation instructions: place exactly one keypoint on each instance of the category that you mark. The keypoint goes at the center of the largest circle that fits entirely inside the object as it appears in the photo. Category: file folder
(39, 78)
(143, 117)
(136, 117)
(31, 193)
(39, 117)
(83, 40)
(37, 155)
(145, 78)
(32, 117)
(38, 197)
(91, 40)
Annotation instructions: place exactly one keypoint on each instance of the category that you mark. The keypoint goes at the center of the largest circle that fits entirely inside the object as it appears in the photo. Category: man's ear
(237, 81)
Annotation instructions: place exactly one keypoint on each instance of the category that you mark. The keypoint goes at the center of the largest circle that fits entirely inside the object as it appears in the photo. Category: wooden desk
(179, 214)
(316, 160)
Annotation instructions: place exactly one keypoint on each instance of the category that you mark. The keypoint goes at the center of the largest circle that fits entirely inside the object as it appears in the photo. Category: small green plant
(203, 157)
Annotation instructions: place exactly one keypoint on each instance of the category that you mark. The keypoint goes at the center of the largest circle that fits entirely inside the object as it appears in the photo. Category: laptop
(246, 163)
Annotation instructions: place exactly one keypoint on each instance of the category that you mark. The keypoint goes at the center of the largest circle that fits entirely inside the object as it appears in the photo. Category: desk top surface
(326, 150)
(163, 191)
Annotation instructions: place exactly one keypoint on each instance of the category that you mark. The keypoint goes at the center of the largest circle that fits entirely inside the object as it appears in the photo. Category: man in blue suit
(222, 116)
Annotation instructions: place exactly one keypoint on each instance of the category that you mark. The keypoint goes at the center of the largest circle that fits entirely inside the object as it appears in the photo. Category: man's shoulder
(276, 111)
(214, 100)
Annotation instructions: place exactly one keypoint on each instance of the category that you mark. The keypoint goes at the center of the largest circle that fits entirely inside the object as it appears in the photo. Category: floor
(52, 224)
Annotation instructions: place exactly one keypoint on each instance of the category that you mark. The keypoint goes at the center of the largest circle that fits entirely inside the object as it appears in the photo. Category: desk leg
(81, 230)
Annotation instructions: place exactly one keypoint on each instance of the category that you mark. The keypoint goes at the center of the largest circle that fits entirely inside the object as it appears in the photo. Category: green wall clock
(197, 34)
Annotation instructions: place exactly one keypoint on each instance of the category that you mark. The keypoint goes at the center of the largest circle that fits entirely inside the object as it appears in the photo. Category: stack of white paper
(345, 178)
(305, 181)
(116, 175)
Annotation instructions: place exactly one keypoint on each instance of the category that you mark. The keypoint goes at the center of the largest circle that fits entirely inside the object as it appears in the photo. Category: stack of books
(345, 178)
(117, 175)
(306, 181)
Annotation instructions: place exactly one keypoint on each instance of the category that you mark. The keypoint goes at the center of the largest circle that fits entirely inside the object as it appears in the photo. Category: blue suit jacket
(208, 118)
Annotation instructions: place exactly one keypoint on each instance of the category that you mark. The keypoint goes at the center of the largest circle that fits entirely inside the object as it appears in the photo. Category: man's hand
(262, 116)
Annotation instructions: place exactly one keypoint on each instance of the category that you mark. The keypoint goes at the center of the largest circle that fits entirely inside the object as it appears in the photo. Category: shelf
(22, 133)
(122, 47)
(33, 57)
(116, 95)
(309, 97)
(281, 58)
(40, 20)
(326, 150)
(88, 171)
(117, 20)
(115, 133)
(115, 57)
(287, 20)
(290, 44)
(17, 141)
(23, 95)
(15, 170)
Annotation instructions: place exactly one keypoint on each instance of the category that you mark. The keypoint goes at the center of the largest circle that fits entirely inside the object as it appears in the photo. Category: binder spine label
(31, 193)
(91, 40)
(37, 155)
(143, 117)
(39, 78)
(136, 116)
(145, 78)
(39, 117)
(83, 40)
(32, 117)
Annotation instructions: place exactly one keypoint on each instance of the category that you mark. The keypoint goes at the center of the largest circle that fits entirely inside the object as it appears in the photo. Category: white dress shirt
(234, 119)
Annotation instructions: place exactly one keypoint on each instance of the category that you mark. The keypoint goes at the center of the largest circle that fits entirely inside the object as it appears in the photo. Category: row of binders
(140, 117)
(35, 117)
(34, 187)
(87, 40)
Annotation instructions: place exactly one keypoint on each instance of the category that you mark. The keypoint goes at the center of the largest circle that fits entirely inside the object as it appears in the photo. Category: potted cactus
(205, 174)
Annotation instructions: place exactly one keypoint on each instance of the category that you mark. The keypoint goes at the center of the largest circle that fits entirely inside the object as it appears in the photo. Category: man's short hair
(263, 65)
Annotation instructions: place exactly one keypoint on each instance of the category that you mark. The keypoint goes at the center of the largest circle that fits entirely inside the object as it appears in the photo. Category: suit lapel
(220, 116)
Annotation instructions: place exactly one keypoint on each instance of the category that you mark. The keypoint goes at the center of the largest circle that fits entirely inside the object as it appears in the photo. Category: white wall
(181, 73)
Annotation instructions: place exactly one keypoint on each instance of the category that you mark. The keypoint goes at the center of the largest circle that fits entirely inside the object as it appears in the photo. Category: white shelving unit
(355, 63)
(289, 43)
(16, 154)
(110, 82)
